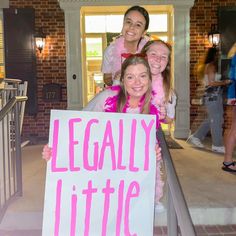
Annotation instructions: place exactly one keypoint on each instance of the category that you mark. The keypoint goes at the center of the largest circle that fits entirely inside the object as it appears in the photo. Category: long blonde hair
(123, 95)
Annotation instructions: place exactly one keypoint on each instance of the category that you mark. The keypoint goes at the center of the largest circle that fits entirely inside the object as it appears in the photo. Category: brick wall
(51, 65)
(202, 15)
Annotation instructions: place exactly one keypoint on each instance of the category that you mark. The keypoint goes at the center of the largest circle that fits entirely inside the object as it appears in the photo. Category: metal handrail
(11, 163)
(13, 81)
(177, 212)
(11, 104)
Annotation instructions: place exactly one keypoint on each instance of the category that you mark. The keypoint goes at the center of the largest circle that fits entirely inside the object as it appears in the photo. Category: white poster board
(101, 177)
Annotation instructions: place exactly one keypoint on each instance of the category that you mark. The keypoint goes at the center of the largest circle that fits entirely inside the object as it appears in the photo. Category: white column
(181, 71)
(4, 4)
(73, 60)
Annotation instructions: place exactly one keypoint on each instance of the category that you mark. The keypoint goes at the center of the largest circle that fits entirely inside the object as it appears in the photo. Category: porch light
(214, 36)
(40, 39)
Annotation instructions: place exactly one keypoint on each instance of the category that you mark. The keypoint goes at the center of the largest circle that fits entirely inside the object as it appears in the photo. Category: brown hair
(123, 96)
(167, 80)
(142, 11)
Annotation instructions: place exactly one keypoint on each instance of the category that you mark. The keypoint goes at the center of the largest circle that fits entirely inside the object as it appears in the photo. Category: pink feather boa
(111, 104)
(158, 90)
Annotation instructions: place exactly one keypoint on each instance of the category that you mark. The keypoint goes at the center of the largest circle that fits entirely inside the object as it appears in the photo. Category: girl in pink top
(131, 40)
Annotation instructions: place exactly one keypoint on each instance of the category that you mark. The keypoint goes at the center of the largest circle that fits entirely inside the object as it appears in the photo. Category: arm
(170, 110)
(219, 83)
(107, 79)
(106, 66)
(97, 103)
(158, 152)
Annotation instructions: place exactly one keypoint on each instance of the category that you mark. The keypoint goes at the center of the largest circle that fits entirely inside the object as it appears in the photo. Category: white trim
(4, 4)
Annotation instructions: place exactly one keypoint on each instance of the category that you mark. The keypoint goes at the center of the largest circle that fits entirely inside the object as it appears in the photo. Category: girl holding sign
(131, 40)
(133, 95)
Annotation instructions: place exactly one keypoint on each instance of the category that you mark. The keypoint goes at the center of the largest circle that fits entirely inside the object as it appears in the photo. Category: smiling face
(158, 57)
(133, 26)
(136, 81)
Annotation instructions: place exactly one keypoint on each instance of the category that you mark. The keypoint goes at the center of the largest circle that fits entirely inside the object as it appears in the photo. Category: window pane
(114, 23)
(93, 47)
(95, 24)
(158, 23)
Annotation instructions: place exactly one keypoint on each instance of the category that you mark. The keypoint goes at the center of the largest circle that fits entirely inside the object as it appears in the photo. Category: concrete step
(22, 221)
(204, 216)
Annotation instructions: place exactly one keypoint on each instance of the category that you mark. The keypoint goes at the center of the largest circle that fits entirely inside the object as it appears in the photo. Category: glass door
(94, 45)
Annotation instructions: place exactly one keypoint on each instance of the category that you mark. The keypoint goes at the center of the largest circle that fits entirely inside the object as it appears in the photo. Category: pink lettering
(58, 209)
(147, 130)
(88, 192)
(120, 143)
(107, 192)
(86, 148)
(73, 213)
(134, 186)
(108, 142)
(54, 168)
(120, 207)
(72, 143)
(132, 146)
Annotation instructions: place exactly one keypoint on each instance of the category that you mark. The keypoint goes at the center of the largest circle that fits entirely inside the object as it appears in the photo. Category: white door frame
(180, 47)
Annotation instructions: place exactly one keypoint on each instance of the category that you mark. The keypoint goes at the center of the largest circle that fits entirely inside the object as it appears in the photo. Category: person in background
(214, 104)
(229, 164)
(131, 40)
(159, 59)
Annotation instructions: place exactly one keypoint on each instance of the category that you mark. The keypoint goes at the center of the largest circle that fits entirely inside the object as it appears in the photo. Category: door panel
(20, 51)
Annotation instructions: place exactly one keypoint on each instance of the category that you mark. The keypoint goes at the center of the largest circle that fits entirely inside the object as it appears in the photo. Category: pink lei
(111, 104)
(119, 49)
(157, 90)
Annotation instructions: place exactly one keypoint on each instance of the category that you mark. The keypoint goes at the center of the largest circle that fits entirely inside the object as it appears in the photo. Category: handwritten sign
(101, 177)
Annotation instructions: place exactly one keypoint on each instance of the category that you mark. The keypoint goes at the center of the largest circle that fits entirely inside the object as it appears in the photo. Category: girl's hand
(117, 75)
(158, 152)
(47, 153)
(228, 81)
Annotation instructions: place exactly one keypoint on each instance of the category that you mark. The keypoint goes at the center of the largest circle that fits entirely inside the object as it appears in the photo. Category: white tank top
(206, 81)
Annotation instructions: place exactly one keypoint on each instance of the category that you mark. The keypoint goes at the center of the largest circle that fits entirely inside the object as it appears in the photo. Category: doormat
(172, 144)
